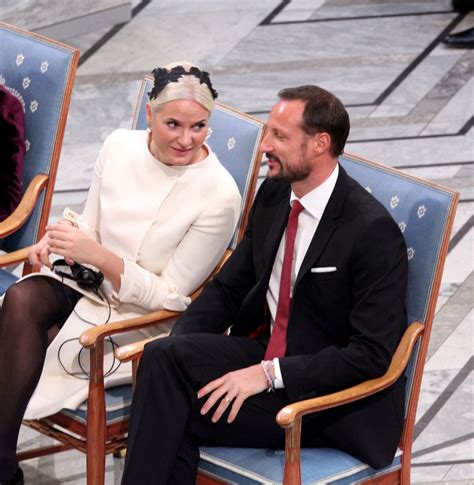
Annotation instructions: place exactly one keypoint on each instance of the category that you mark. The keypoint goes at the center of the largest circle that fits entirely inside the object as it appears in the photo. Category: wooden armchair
(425, 213)
(40, 73)
(99, 425)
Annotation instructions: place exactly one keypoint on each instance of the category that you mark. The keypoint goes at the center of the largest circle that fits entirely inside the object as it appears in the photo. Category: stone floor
(411, 104)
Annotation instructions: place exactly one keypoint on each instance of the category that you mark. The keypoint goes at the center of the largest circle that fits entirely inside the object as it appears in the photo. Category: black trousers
(166, 427)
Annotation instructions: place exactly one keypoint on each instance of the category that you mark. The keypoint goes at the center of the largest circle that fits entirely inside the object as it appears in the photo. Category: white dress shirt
(314, 204)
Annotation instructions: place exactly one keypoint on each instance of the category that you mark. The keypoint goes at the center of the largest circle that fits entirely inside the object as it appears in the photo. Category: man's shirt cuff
(279, 384)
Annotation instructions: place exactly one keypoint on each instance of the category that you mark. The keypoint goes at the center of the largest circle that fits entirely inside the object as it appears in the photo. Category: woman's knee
(19, 308)
(14, 298)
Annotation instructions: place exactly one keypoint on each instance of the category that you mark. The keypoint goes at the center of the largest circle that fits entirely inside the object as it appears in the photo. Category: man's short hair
(323, 112)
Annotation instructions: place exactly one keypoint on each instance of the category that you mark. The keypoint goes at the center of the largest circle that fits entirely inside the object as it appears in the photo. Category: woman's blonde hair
(181, 80)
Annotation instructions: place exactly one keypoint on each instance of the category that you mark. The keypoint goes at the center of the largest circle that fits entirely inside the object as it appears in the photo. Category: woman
(160, 213)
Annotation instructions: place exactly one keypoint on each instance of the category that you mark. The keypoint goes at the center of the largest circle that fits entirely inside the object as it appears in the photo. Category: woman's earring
(148, 128)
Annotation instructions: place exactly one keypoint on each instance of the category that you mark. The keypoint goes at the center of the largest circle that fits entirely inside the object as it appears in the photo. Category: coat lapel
(326, 225)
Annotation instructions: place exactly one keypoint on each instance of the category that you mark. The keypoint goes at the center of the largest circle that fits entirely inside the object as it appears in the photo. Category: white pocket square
(324, 269)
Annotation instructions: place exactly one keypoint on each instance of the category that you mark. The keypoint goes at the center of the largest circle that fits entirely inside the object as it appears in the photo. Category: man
(347, 274)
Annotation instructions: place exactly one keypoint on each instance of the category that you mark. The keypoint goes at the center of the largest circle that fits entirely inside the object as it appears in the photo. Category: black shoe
(462, 5)
(463, 39)
(17, 479)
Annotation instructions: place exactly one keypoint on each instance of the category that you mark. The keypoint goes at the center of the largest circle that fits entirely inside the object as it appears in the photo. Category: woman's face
(178, 131)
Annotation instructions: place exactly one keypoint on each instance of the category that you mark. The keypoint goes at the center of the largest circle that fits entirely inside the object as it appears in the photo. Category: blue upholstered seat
(424, 213)
(40, 73)
(252, 466)
(117, 406)
(6, 279)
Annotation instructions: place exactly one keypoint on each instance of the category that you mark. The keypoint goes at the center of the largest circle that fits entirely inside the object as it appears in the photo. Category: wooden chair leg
(96, 429)
(135, 363)
(406, 466)
(44, 451)
(293, 454)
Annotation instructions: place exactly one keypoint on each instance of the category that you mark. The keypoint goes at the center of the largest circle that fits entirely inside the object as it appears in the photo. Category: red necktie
(277, 344)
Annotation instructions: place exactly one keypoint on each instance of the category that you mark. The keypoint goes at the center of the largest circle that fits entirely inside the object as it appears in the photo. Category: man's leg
(166, 426)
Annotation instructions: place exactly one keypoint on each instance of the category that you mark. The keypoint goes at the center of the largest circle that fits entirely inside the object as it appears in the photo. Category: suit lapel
(326, 225)
(277, 228)
(270, 243)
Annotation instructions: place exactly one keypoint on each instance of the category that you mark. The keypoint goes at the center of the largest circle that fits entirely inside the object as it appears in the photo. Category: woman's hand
(39, 253)
(71, 243)
(76, 246)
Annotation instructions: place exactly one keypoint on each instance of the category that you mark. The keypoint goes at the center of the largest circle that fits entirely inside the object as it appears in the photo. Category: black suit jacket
(344, 326)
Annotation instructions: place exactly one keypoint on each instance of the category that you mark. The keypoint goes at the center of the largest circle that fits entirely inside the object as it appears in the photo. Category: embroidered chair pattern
(424, 212)
(99, 425)
(40, 73)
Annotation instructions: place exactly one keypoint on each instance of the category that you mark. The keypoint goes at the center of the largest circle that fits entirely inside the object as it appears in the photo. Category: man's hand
(234, 387)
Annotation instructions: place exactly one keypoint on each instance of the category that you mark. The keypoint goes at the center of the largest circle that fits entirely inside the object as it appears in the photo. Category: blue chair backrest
(424, 212)
(39, 72)
(234, 137)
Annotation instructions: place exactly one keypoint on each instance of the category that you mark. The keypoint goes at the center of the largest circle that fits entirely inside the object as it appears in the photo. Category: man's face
(286, 144)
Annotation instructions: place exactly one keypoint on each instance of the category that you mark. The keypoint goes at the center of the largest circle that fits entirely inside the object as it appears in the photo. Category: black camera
(86, 278)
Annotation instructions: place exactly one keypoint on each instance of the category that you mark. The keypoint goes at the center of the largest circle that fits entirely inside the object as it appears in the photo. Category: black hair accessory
(86, 278)
(164, 76)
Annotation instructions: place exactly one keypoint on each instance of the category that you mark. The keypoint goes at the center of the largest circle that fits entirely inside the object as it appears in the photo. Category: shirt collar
(316, 200)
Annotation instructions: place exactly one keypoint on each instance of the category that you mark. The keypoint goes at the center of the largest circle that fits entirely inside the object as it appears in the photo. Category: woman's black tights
(32, 312)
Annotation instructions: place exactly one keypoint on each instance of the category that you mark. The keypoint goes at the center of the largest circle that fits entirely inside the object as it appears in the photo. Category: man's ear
(321, 143)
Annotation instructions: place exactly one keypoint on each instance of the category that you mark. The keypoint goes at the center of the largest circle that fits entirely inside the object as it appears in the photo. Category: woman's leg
(31, 308)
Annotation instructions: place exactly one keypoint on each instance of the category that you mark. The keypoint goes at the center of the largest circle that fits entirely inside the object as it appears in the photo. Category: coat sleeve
(378, 274)
(192, 261)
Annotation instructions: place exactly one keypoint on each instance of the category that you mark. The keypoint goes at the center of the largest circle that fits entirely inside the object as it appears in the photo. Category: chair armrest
(129, 352)
(287, 416)
(24, 209)
(15, 257)
(91, 336)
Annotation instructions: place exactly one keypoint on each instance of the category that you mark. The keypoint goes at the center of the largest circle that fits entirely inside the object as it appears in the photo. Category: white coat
(170, 225)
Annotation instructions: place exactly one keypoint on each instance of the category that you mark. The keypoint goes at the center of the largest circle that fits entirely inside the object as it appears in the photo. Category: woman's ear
(148, 115)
